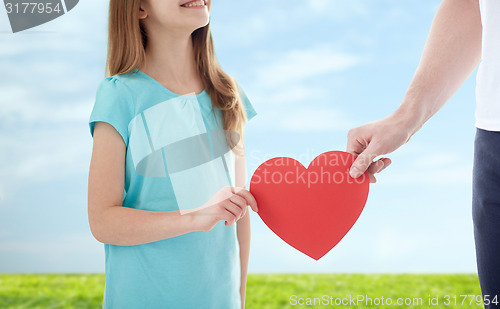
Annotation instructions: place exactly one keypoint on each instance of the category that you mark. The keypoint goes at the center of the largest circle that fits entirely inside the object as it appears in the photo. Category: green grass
(264, 291)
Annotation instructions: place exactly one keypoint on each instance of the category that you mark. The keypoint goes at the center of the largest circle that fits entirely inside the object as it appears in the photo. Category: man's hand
(451, 53)
(374, 139)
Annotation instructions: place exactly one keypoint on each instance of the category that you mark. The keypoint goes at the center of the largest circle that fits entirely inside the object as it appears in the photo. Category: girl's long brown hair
(127, 42)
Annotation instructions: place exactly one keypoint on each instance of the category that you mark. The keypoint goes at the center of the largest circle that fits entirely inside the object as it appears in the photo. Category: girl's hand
(229, 204)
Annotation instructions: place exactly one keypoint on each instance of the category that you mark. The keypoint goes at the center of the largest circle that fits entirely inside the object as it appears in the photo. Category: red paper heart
(310, 209)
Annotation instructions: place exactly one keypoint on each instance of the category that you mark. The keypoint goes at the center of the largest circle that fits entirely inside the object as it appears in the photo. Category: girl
(163, 197)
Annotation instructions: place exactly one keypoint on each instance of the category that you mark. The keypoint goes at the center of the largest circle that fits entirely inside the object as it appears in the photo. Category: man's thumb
(363, 161)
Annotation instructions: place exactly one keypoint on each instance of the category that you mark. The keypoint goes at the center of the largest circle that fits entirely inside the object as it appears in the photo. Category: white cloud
(271, 20)
(283, 98)
(45, 154)
(423, 248)
(436, 160)
(315, 120)
(233, 30)
(300, 65)
(339, 10)
(66, 253)
(24, 108)
(71, 242)
(291, 89)
(51, 72)
(391, 245)
(447, 176)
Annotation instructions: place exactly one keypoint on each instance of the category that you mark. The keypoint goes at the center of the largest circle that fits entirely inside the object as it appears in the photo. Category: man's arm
(451, 53)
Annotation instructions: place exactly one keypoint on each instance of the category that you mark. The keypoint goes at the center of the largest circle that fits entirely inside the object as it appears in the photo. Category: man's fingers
(379, 165)
(354, 146)
(363, 161)
(376, 167)
(387, 162)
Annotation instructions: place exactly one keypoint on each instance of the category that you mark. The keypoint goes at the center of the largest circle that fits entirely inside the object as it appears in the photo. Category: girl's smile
(195, 4)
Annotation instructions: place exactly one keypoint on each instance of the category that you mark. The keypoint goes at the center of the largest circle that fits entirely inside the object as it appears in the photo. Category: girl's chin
(200, 23)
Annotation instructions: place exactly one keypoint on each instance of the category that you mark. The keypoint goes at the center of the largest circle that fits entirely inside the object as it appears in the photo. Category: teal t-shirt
(194, 270)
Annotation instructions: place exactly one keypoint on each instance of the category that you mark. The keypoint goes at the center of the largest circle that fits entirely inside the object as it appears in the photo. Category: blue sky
(312, 69)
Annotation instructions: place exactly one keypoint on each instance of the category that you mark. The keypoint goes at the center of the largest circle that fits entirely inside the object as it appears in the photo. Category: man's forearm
(243, 230)
(451, 53)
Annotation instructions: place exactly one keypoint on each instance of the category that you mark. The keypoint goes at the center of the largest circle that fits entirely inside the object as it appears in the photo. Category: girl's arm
(111, 223)
(243, 228)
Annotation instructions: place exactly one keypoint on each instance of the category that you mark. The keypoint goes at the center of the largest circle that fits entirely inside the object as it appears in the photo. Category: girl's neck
(170, 60)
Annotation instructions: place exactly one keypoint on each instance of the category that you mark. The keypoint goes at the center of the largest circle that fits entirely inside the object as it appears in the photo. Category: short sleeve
(246, 102)
(112, 105)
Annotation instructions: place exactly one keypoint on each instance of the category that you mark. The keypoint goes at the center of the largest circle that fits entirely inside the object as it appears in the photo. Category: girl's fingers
(249, 199)
(228, 217)
(244, 212)
(238, 200)
(225, 215)
(234, 209)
